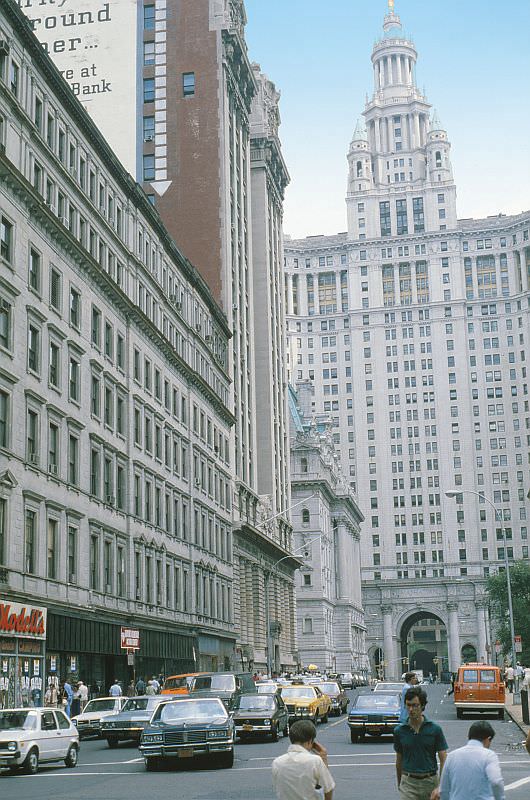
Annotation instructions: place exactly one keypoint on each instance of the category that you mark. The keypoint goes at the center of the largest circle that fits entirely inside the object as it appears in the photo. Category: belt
(420, 777)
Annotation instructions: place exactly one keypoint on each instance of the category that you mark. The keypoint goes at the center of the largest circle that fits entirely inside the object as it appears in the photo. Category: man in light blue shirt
(474, 770)
(411, 679)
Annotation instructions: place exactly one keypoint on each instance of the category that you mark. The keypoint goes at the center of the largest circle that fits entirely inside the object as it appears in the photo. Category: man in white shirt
(115, 689)
(83, 694)
(509, 675)
(473, 771)
(302, 771)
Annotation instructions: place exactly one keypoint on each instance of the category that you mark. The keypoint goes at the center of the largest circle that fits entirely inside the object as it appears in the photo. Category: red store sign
(22, 620)
(130, 638)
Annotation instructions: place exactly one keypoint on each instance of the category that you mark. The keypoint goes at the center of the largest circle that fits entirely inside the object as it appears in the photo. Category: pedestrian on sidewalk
(302, 772)
(115, 689)
(418, 742)
(83, 694)
(473, 771)
(411, 679)
(509, 676)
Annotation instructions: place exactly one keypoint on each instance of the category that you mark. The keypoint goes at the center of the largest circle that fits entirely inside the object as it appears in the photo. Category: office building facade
(413, 327)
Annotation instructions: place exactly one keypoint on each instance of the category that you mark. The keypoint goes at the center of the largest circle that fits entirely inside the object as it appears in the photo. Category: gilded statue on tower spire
(391, 4)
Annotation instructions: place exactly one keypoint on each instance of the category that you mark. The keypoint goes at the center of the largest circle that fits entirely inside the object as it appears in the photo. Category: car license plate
(4, 761)
(248, 727)
(187, 753)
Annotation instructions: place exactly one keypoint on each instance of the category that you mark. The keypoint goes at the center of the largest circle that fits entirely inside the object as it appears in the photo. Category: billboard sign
(93, 44)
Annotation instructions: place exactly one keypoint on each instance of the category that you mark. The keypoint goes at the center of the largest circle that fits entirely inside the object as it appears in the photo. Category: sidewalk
(516, 713)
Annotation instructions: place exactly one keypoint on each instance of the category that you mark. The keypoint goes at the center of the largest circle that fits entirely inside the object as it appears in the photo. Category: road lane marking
(516, 784)
(338, 722)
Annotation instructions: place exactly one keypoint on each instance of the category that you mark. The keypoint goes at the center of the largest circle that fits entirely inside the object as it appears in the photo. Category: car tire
(31, 762)
(151, 764)
(226, 760)
(325, 717)
(286, 730)
(71, 756)
(354, 737)
(112, 742)
(459, 713)
(274, 733)
(501, 713)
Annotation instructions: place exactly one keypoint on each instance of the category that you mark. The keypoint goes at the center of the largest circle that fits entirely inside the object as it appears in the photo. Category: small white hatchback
(33, 736)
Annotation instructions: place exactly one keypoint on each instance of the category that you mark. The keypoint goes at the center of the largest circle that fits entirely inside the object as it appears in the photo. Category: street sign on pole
(518, 644)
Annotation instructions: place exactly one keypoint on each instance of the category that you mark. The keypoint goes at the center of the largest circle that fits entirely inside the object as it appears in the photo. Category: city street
(362, 770)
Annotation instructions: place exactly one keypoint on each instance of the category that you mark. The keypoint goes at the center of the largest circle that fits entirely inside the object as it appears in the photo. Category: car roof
(119, 697)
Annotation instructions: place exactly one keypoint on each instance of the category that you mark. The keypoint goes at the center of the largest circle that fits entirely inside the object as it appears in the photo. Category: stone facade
(326, 521)
(413, 327)
(115, 422)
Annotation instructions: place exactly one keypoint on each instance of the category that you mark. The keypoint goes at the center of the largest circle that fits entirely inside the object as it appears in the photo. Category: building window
(149, 90)
(401, 213)
(94, 562)
(34, 270)
(149, 54)
(74, 380)
(306, 517)
(384, 216)
(51, 549)
(5, 324)
(33, 349)
(6, 239)
(4, 419)
(30, 533)
(188, 84)
(3, 529)
(71, 556)
(75, 308)
(418, 214)
(149, 18)
(149, 128)
(149, 167)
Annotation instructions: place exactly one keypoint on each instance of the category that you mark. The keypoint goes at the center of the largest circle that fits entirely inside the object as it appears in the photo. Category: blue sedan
(374, 714)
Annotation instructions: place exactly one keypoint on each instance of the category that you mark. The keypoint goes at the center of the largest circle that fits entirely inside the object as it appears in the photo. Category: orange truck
(179, 684)
(479, 688)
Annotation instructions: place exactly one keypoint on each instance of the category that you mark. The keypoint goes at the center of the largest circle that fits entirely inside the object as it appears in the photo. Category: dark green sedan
(260, 715)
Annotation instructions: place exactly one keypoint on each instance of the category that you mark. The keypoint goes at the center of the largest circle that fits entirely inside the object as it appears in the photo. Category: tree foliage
(498, 594)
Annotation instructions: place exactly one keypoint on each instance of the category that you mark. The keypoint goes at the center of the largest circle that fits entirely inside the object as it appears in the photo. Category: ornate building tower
(403, 155)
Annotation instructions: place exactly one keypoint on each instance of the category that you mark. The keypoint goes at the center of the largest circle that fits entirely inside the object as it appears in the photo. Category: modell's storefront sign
(22, 620)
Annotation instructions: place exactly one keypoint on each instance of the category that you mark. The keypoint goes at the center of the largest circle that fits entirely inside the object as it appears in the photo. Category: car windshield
(195, 711)
(178, 683)
(17, 720)
(255, 702)
(329, 688)
(136, 704)
(298, 691)
(266, 688)
(223, 683)
(377, 701)
(388, 687)
(108, 704)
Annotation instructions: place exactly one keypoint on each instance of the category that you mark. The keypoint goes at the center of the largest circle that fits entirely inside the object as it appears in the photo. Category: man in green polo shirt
(417, 742)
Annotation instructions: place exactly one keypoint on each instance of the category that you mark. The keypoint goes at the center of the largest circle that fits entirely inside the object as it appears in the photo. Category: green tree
(498, 593)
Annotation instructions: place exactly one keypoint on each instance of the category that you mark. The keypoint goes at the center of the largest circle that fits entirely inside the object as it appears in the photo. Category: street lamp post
(267, 578)
(453, 494)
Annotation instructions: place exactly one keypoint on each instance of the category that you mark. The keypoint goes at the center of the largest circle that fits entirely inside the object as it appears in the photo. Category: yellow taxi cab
(306, 702)
(479, 688)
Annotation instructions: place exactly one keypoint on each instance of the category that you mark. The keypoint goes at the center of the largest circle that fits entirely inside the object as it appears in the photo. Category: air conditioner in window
(4, 47)
(50, 206)
(198, 327)
(108, 588)
(209, 337)
(111, 500)
(73, 172)
(173, 299)
(33, 458)
(53, 469)
(63, 221)
(178, 305)
(148, 137)
(110, 220)
(198, 482)
(71, 577)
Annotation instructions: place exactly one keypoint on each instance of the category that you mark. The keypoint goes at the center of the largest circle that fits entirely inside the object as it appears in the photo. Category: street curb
(514, 719)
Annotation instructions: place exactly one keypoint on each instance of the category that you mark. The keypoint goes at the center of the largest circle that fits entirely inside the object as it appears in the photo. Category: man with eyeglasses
(420, 745)
(473, 770)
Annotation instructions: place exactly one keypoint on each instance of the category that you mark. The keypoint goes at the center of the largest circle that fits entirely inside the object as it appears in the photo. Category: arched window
(306, 517)
(359, 169)
(303, 464)
(438, 158)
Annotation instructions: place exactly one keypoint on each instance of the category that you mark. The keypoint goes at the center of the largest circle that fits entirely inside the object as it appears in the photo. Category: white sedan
(88, 722)
(31, 736)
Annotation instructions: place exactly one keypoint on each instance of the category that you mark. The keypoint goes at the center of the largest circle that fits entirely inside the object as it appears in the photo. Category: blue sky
(474, 62)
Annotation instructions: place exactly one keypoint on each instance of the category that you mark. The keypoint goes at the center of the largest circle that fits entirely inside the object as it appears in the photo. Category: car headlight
(266, 722)
(218, 734)
(73, 721)
(153, 737)
(12, 746)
